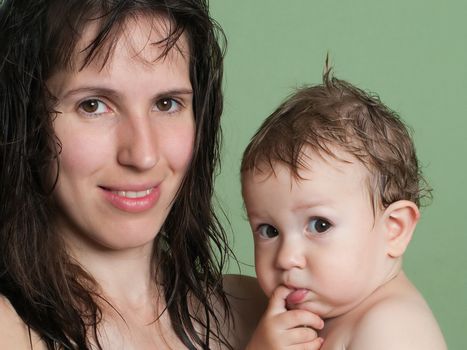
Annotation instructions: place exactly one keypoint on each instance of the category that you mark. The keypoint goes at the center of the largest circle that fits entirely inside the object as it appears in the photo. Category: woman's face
(127, 133)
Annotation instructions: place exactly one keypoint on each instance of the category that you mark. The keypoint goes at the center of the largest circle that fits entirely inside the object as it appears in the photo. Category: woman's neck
(124, 277)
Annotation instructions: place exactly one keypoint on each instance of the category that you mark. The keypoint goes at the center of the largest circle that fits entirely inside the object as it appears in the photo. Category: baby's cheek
(266, 279)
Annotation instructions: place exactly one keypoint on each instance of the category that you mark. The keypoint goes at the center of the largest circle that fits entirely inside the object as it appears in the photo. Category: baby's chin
(323, 310)
(303, 299)
(307, 306)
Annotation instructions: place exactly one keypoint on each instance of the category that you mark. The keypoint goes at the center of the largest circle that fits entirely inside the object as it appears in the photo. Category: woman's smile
(133, 201)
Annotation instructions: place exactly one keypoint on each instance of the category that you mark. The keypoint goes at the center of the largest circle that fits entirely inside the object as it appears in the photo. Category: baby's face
(318, 236)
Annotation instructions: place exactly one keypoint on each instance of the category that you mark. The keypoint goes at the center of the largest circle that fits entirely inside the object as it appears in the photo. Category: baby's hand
(280, 328)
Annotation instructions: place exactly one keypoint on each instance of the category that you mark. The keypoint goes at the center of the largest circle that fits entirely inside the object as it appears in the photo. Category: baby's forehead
(340, 181)
(311, 162)
(324, 169)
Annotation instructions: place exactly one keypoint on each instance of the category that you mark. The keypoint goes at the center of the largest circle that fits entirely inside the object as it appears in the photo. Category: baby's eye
(267, 231)
(94, 107)
(318, 225)
(167, 104)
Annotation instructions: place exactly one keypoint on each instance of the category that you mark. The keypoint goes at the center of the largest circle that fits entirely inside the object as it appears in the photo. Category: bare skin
(320, 244)
(139, 331)
(127, 133)
(395, 310)
(13, 331)
(281, 328)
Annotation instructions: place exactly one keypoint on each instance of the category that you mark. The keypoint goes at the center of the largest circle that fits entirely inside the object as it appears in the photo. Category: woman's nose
(291, 254)
(137, 143)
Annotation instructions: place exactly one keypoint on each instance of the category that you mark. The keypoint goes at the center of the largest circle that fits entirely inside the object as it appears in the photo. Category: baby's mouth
(296, 296)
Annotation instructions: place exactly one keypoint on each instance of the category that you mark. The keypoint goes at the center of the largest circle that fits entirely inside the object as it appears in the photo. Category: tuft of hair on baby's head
(337, 115)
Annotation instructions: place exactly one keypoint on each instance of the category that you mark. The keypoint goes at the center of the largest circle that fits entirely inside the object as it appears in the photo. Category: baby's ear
(400, 219)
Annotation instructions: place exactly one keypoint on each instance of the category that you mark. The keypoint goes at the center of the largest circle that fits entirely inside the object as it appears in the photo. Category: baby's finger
(301, 335)
(298, 318)
(277, 301)
(313, 345)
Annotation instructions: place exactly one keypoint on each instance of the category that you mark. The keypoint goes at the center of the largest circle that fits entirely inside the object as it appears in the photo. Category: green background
(414, 55)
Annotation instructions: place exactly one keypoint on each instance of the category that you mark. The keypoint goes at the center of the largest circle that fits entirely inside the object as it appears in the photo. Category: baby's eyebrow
(310, 204)
(253, 215)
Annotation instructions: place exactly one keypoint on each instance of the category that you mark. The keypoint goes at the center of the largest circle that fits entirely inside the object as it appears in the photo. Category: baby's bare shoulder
(403, 322)
(14, 333)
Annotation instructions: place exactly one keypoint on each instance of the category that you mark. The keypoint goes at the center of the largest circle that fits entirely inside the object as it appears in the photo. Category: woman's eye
(94, 107)
(318, 225)
(167, 105)
(267, 231)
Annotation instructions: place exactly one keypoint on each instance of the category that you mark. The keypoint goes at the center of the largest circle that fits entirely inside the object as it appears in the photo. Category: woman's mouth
(133, 194)
(132, 201)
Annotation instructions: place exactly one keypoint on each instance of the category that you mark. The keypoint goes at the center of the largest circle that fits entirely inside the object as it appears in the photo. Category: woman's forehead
(146, 38)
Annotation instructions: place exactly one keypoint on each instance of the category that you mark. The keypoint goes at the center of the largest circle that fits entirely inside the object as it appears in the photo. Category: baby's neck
(338, 329)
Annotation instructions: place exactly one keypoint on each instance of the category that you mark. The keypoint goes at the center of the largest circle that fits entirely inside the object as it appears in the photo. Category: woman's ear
(400, 219)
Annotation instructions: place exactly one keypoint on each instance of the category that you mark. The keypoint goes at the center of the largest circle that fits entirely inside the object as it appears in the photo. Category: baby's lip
(296, 296)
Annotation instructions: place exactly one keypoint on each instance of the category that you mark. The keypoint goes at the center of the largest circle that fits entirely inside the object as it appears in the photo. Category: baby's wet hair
(337, 115)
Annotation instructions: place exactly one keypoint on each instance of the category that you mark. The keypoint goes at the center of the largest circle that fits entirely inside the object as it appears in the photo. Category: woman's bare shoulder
(14, 334)
(248, 303)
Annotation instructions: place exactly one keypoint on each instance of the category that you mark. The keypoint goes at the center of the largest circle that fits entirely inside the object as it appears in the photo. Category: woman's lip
(133, 194)
(129, 187)
(296, 296)
(133, 200)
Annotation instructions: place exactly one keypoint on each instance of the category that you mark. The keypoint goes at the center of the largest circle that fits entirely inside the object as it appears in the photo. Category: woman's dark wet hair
(52, 294)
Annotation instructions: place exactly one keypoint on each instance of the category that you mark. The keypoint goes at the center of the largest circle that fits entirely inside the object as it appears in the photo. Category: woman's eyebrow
(102, 91)
(172, 92)
(99, 91)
